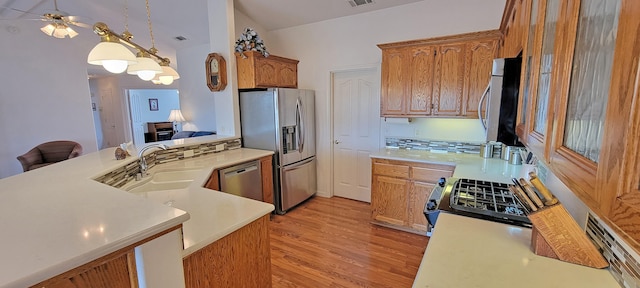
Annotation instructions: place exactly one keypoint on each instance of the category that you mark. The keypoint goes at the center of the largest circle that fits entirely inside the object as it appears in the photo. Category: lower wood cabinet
(266, 167)
(115, 270)
(240, 259)
(399, 191)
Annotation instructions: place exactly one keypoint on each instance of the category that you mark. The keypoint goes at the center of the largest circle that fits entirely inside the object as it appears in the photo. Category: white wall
(350, 42)
(222, 39)
(196, 100)
(243, 21)
(45, 93)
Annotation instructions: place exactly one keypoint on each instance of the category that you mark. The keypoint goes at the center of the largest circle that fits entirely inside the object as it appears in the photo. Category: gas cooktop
(487, 198)
(477, 198)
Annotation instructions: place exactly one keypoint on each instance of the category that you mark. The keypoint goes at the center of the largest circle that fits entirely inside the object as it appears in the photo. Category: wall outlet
(188, 153)
(220, 147)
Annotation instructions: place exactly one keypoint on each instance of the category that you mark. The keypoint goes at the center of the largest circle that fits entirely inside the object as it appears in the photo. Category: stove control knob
(442, 181)
(432, 205)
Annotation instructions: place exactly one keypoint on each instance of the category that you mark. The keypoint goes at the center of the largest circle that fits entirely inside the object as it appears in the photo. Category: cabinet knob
(336, 141)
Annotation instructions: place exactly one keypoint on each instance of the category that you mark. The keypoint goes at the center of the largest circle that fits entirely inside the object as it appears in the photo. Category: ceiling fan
(59, 22)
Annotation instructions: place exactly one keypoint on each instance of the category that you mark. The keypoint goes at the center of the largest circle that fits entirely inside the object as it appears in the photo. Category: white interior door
(107, 115)
(356, 130)
(137, 123)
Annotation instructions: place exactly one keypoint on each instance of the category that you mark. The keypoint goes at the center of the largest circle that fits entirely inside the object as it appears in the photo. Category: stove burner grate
(487, 198)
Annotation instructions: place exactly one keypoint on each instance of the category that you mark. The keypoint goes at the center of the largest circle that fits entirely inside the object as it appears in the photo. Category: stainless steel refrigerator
(283, 120)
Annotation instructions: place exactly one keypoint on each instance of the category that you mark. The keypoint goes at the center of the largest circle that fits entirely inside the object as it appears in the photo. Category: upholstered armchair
(49, 153)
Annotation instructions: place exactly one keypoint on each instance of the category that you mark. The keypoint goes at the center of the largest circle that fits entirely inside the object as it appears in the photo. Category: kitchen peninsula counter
(57, 217)
(467, 252)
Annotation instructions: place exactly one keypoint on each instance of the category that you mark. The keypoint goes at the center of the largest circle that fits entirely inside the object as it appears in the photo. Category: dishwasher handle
(240, 171)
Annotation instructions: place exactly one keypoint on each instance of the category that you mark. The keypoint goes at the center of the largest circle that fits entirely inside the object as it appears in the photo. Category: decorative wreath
(250, 41)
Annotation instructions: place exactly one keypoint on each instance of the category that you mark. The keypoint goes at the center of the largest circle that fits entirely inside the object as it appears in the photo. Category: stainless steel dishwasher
(243, 180)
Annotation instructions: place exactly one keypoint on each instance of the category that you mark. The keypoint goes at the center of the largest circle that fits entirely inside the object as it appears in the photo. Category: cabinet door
(524, 105)
(581, 115)
(266, 72)
(449, 79)
(266, 168)
(422, 59)
(389, 200)
(418, 195)
(543, 69)
(394, 79)
(288, 75)
(620, 141)
(479, 60)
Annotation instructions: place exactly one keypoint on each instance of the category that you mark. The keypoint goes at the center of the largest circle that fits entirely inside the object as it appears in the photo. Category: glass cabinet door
(542, 97)
(590, 77)
(588, 38)
(527, 62)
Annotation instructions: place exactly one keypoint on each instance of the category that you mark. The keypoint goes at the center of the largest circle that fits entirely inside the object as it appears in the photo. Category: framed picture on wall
(153, 104)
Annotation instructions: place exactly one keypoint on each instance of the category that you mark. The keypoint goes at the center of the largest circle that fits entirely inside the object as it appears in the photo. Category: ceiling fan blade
(80, 24)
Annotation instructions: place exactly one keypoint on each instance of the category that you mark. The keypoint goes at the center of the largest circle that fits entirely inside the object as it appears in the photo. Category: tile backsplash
(432, 145)
(121, 176)
(622, 259)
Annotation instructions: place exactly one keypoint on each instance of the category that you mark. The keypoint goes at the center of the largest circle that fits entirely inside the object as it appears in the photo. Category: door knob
(336, 141)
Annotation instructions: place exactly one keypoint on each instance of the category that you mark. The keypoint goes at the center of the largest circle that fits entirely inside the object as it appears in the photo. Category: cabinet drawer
(401, 171)
(429, 175)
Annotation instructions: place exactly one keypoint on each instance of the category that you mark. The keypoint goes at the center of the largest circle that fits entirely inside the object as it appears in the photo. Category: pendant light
(109, 53)
(117, 58)
(146, 68)
(112, 55)
(167, 76)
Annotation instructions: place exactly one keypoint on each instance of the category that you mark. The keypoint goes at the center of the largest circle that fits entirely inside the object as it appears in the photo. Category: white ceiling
(172, 18)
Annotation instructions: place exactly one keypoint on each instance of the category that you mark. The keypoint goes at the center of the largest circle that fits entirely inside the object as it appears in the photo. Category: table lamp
(176, 116)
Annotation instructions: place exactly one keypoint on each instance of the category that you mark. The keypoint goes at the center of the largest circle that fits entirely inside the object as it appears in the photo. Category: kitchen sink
(175, 175)
(163, 180)
(158, 186)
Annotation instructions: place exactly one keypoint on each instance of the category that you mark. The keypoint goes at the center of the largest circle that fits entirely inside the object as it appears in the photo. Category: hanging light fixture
(167, 76)
(144, 65)
(109, 53)
(146, 68)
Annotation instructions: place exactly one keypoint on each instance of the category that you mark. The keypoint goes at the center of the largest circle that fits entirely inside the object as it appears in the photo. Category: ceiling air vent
(356, 3)
(180, 38)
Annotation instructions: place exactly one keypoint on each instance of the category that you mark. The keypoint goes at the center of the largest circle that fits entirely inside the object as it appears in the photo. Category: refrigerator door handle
(298, 165)
(300, 123)
(484, 95)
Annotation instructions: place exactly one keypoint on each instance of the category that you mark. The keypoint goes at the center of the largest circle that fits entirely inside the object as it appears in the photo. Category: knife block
(556, 235)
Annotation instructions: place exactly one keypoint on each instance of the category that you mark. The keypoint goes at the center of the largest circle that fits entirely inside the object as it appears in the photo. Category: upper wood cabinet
(257, 71)
(479, 58)
(579, 112)
(449, 80)
(443, 77)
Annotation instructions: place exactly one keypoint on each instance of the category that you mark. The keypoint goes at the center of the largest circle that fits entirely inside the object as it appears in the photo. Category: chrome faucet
(143, 161)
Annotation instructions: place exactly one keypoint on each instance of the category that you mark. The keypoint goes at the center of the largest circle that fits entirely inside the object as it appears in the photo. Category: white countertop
(213, 214)
(56, 218)
(467, 165)
(467, 252)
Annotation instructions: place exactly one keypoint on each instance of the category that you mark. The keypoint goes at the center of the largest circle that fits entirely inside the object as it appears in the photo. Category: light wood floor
(330, 243)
